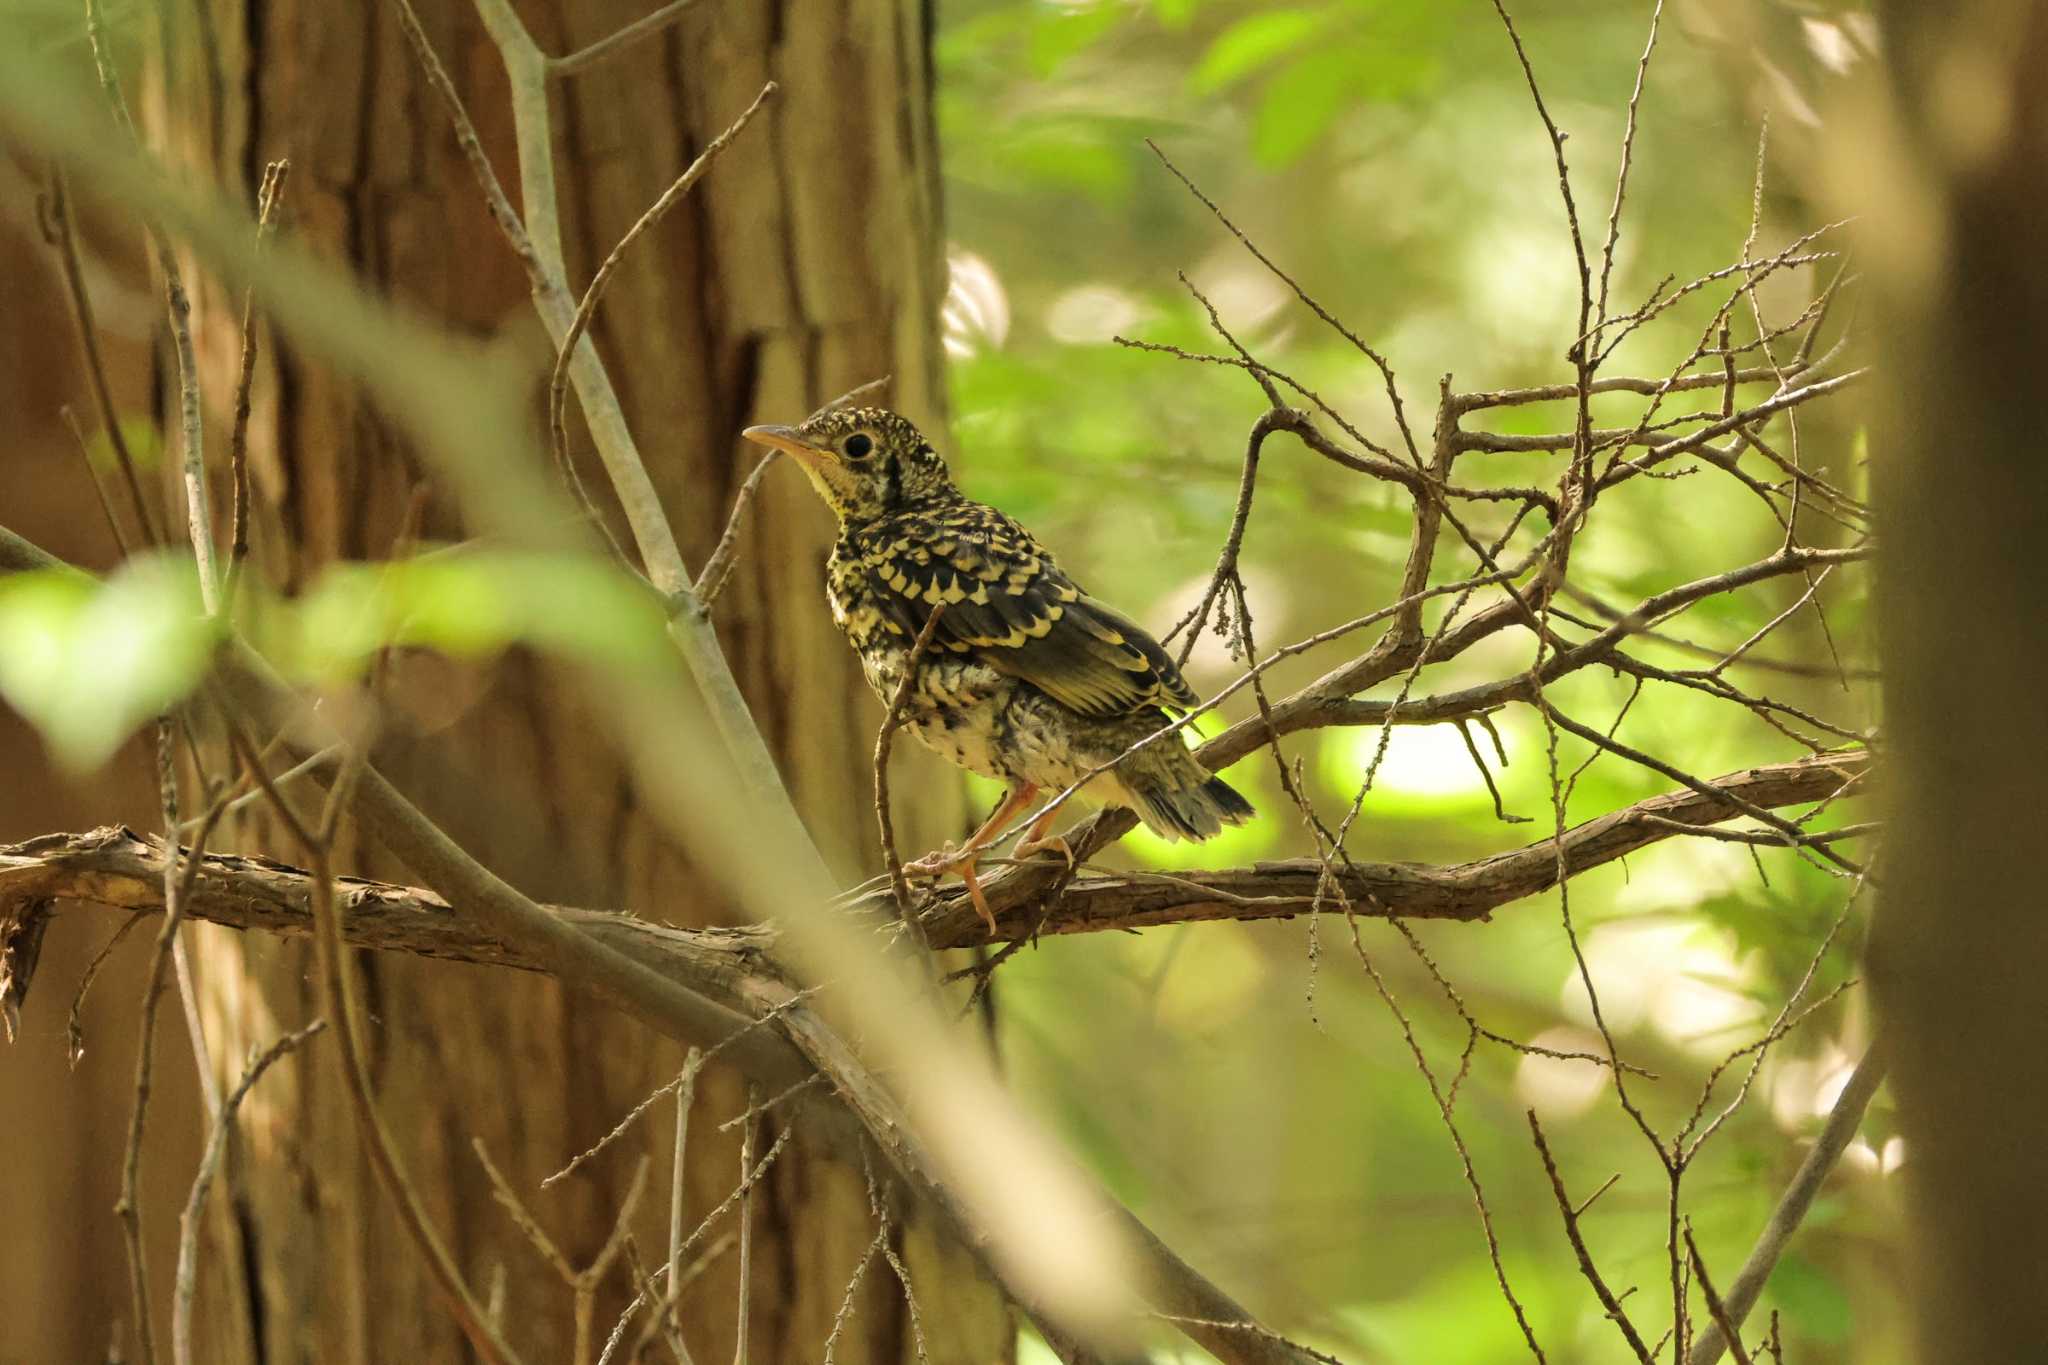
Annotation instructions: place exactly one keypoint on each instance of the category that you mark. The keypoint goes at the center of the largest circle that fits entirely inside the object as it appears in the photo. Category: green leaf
(1059, 37)
(86, 663)
(1253, 43)
(1300, 102)
(145, 445)
(470, 603)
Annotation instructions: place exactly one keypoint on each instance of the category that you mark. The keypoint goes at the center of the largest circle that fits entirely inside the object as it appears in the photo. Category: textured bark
(115, 866)
(808, 261)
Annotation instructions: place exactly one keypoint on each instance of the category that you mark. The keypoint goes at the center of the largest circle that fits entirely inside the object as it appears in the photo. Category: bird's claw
(1056, 843)
(950, 858)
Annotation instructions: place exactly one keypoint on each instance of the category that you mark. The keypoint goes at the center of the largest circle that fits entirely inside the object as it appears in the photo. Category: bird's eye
(857, 446)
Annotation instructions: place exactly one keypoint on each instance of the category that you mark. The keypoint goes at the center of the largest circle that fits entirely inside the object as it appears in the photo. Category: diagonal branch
(1792, 1206)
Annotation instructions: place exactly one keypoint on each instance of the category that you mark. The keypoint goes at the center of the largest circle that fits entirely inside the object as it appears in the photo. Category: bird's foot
(942, 860)
(950, 859)
(1057, 843)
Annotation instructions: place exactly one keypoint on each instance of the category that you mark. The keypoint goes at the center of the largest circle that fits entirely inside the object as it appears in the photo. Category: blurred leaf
(1300, 102)
(1058, 37)
(145, 444)
(86, 662)
(470, 603)
(1253, 43)
(1044, 152)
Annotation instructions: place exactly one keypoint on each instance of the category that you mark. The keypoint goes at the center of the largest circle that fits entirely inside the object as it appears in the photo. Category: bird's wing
(1009, 605)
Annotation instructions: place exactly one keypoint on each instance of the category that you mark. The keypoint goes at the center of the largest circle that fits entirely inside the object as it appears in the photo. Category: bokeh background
(1243, 1087)
(1241, 1084)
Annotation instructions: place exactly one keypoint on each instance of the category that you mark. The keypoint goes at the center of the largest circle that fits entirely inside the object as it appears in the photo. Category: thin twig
(99, 487)
(558, 382)
(583, 58)
(74, 1028)
(1571, 1216)
(1628, 143)
(64, 234)
(718, 568)
(1834, 1139)
(216, 1145)
(338, 1003)
(1716, 1309)
(177, 883)
(765, 1022)
(686, 1100)
(267, 199)
(746, 1296)
(885, 738)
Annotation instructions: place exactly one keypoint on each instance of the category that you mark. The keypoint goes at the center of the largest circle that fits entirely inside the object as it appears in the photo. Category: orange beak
(786, 440)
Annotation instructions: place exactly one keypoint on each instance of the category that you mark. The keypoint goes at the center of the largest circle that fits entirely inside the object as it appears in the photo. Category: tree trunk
(806, 262)
(1955, 154)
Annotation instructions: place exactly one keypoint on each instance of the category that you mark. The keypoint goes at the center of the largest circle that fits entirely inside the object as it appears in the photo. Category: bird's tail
(1175, 795)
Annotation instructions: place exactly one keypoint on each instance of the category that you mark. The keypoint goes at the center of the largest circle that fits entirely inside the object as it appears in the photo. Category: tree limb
(732, 967)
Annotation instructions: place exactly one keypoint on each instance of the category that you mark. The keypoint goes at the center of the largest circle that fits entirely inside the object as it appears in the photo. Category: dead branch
(187, 1281)
(118, 867)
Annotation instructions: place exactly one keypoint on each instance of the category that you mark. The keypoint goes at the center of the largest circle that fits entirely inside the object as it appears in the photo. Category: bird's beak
(788, 441)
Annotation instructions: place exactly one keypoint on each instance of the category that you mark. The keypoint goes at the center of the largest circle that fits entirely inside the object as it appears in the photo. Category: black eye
(857, 446)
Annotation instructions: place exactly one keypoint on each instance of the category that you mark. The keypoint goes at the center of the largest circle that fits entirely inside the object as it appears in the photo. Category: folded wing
(1009, 605)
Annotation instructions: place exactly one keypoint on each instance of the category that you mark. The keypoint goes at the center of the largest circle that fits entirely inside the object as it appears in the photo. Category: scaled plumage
(1027, 678)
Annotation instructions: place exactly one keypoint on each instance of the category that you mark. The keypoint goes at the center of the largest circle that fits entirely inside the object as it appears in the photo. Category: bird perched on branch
(1024, 677)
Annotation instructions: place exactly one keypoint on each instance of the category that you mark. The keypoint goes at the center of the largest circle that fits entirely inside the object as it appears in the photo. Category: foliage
(1386, 155)
(89, 662)
(1240, 1084)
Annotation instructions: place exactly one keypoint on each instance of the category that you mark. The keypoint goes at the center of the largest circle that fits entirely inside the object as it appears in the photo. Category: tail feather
(1185, 809)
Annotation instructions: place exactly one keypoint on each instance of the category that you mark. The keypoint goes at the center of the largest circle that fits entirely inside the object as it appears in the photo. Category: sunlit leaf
(468, 604)
(1066, 153)
(86, 663)
(1254, 43)
(1300, 102)
(144, 439)
(1058, 37)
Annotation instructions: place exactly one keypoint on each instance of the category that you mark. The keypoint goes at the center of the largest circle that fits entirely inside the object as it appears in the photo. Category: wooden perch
(115, 866)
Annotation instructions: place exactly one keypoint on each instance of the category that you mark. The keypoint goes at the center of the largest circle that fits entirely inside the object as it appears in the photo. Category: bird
(1024, 677)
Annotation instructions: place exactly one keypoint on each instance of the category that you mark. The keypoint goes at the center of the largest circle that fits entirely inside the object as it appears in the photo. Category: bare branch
(1834, 1139)
(1571, 1215)
(885, 738)
(583, 58)
(565, 348)
(216, 1145)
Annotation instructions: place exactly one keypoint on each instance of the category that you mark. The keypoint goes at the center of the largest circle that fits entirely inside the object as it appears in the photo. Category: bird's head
(865, 462)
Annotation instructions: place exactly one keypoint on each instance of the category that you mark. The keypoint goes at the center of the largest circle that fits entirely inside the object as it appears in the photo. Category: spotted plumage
(1027, 678)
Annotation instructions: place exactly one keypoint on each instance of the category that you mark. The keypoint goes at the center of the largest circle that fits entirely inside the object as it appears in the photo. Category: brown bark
(116, 867)
(806, 262)
(1952, 159)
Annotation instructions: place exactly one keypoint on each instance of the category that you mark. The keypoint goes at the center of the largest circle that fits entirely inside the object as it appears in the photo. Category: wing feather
(1009, 605)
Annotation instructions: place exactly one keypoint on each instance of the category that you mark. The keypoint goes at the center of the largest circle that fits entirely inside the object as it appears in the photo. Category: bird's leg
(963, 860)
(1036, 839)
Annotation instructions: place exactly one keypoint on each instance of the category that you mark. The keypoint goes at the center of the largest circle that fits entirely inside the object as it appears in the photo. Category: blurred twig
(209, 1164)
(1835, 1136)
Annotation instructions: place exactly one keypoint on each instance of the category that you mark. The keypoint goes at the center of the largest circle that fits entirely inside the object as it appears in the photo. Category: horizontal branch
(1648, 388)
(117, 867)
(1282, 890)
(1789, 398)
